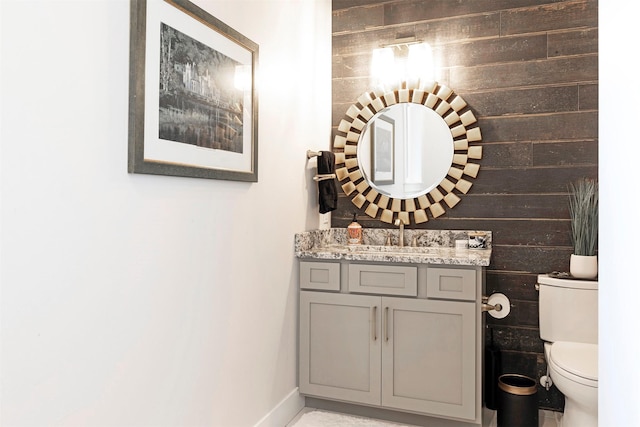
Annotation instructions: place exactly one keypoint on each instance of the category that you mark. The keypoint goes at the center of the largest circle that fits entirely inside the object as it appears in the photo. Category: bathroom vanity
(398, 328)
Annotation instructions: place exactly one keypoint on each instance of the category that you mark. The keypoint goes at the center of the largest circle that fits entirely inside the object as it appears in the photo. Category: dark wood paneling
(348, 90)
(490, 206)
(530, 259)
(523, 314)
(534, 232)
(540, 127)
(528, 70)
(588, 97)
(531, 232)
(550, 99)
(457, 29)
(497, 50)
(452, 30)
(558, 16)
(573, 42)
(338, 110)
(351, 66)
(358, 19)
(565, 70)
(516, 285)
(565, 153)
(520, 363)
(514, 338)
(419, 10)
(506, 155)
(361, 43)
(345, 4)
(530, 180)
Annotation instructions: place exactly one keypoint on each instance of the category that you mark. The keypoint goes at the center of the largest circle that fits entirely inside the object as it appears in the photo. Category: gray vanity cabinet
(412, 353)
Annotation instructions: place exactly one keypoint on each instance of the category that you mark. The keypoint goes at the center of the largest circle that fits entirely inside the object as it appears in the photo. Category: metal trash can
(517, 401)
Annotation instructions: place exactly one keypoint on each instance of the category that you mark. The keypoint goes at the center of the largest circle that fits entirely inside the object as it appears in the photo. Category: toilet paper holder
(488, 307)
(498, 305)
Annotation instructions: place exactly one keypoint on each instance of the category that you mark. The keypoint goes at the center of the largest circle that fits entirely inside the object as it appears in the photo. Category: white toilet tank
(568, 310)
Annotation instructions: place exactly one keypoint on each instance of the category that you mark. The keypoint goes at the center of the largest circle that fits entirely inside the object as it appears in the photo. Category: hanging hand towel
(327, 191)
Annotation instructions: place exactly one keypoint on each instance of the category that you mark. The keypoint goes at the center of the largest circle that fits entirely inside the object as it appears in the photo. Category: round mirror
(402, 153)
(405, 150)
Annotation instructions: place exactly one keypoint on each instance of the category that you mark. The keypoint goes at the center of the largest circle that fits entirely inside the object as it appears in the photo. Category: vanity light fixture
(383, 69)
(420, 64)
(409, 61)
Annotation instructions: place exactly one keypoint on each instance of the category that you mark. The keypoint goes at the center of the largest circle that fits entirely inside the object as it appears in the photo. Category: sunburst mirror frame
(460, 120)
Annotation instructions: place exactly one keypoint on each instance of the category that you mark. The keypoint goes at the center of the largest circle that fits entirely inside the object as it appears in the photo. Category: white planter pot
(584, 267)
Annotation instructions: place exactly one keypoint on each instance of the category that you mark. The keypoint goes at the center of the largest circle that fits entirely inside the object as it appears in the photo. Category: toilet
(569, 326)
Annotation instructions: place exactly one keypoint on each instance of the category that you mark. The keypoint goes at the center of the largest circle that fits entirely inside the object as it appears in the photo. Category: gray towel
(327, 190)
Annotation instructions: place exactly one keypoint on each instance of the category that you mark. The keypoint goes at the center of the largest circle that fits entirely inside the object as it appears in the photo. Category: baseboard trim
(284, 411)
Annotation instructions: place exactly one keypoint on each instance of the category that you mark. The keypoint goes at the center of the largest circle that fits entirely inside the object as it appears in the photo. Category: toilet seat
(576, 361)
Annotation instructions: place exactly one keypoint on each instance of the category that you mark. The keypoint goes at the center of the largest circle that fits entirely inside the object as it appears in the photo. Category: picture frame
(383, 151)
(193, 103)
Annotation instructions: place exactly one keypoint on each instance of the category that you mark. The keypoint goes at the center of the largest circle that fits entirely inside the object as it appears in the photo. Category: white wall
(139, 300)
(619, 296)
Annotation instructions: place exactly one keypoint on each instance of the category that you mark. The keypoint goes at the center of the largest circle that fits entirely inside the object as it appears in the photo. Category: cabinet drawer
(451, 283)
(383, 279)
(323, 276)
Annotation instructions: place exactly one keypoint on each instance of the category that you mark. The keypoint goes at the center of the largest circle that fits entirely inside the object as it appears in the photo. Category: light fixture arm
(403, 41)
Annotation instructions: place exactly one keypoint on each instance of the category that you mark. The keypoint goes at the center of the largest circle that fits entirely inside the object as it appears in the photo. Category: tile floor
(322, 418)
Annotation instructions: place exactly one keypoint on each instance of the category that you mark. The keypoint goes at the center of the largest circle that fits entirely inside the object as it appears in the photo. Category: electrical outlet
(325, 221)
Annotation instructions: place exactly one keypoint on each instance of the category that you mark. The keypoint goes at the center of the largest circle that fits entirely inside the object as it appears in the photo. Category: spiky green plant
(583, 208)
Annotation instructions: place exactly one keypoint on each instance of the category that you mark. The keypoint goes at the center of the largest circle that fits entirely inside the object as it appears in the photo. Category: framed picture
(193, 105)
(382, 150)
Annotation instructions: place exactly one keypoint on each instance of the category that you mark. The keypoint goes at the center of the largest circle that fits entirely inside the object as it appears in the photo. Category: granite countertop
(433, 247)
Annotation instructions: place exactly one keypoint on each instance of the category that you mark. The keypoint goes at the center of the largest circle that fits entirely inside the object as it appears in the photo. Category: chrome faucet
(400, 223)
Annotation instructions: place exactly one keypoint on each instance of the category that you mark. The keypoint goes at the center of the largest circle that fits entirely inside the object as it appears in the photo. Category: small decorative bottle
(354, 232)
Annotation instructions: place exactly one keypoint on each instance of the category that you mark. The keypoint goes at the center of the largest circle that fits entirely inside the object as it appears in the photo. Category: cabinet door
(340, 346)
(429, 357)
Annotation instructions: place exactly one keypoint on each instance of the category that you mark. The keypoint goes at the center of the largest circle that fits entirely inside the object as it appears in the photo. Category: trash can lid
(517, 384)
(579, 359)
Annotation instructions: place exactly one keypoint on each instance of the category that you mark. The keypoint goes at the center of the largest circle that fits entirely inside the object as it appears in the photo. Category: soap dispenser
(354, 232)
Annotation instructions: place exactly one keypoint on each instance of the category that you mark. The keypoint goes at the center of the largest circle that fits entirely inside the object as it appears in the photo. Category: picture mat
(165, 151)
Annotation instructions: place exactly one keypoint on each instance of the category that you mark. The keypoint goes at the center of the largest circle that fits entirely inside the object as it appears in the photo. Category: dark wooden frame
(138, 65)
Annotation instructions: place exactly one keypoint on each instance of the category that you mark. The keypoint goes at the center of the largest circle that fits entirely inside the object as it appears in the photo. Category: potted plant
(583, 209)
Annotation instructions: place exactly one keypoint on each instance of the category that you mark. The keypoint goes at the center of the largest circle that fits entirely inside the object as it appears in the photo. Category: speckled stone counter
(432, 247)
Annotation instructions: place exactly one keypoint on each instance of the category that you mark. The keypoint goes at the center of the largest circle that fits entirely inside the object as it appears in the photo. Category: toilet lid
(576, 358)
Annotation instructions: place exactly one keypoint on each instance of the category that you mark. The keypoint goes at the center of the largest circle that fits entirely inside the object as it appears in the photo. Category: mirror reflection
(405, 150)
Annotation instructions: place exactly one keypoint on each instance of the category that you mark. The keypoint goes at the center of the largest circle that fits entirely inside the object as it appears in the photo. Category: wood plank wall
(529, 71)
